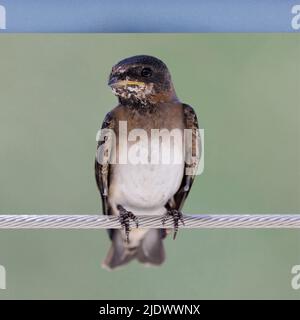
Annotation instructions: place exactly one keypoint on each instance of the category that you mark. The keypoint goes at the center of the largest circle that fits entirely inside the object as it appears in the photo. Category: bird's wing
(102, 161)
(192, 158)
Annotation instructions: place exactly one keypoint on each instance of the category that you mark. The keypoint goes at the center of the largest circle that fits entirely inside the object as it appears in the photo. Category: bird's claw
(177, 217)
(124, 219)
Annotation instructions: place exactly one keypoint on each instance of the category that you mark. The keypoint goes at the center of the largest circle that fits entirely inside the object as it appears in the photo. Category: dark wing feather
(102, 163)
(190, 169)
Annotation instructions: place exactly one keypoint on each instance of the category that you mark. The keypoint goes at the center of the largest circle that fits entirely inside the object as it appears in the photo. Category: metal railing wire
(201, 221)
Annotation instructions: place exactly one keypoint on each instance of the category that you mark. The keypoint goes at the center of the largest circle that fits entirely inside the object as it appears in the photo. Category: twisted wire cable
(201, 221)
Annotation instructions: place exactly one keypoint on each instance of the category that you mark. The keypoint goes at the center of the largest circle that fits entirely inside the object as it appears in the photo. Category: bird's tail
(150, 250)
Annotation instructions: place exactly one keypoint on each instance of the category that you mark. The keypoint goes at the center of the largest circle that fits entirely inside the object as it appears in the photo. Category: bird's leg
(124, 218)
(176, 216)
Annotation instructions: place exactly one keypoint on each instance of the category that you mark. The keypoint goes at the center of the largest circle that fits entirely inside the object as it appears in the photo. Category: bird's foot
(124, 218)
(177, 217)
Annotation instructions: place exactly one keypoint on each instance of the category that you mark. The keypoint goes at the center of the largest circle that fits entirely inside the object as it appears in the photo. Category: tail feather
(150, 250)
(117, 254)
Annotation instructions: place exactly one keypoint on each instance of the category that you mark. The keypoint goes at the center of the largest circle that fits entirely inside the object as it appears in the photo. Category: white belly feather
(146, 188)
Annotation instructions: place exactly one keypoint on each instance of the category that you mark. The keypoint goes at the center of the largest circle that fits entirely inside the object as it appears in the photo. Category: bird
(147, 101)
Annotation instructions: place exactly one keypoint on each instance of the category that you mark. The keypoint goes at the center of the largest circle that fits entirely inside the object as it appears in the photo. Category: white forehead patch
(120, 70)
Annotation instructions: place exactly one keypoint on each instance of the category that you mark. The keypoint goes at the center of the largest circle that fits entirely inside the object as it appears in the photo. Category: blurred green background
(53, 97)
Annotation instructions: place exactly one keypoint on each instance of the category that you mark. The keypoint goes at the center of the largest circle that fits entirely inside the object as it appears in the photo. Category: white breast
(145, 188)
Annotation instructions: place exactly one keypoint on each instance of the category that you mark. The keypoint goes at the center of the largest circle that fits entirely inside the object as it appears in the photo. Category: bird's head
(141, 80)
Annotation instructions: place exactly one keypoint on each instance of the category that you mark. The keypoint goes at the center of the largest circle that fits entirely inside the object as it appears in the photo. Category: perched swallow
(147, 101)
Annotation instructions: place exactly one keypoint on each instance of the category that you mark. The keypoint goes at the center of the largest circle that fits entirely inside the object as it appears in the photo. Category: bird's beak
(115, 83)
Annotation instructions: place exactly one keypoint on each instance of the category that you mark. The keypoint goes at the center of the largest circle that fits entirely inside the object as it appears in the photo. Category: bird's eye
(146, 72)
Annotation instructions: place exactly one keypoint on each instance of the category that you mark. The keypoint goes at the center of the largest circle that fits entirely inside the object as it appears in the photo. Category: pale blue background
(148, 16)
